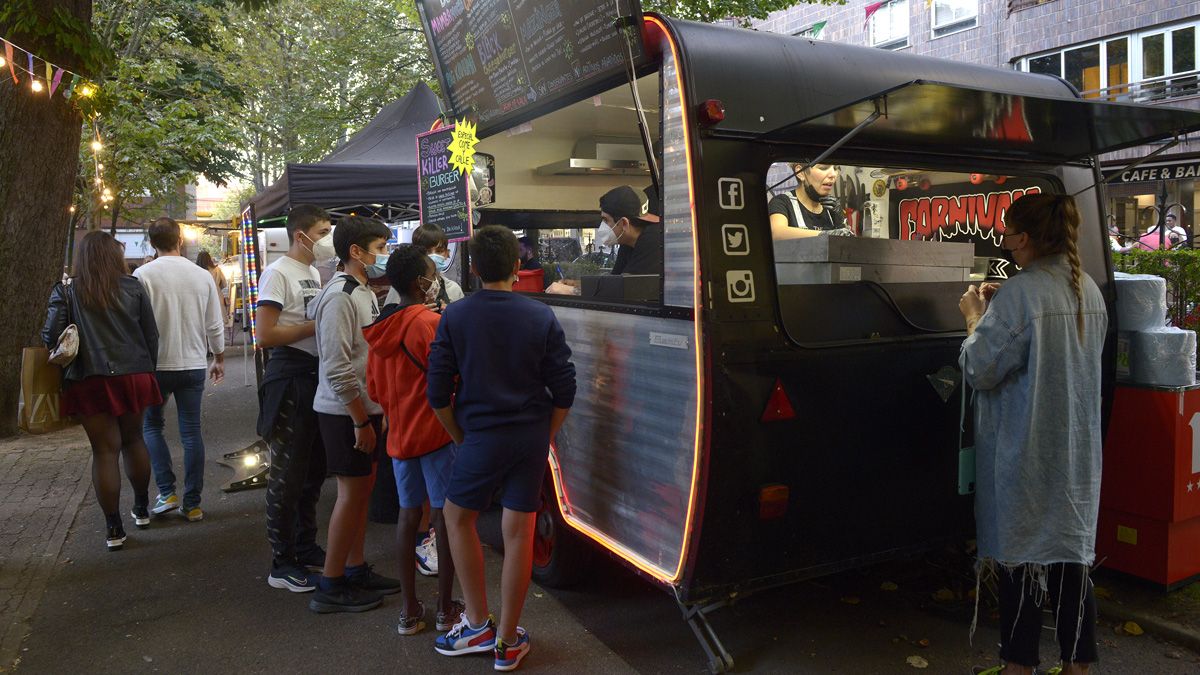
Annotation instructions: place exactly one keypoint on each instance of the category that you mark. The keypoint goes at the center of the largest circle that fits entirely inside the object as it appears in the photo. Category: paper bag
(41, 385)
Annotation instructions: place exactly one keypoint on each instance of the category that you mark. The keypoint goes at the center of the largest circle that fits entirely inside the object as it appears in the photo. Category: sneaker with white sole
(446, 620)
(115, 537)
(463, 639)
(508, 657)
(292, 578)
(427, 557)
(141, 517)
(411, 625)
(164, 504)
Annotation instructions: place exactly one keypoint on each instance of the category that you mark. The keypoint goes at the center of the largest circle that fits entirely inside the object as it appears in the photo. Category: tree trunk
(39, 155)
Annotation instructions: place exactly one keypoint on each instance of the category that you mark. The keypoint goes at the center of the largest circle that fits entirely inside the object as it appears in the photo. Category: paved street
(192, 597)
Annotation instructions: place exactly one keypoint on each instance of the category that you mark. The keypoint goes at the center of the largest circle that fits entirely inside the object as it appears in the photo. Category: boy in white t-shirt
(286, 419)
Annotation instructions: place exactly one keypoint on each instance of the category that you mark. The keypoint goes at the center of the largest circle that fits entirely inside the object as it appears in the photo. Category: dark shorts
(512, 459)
(337, 432)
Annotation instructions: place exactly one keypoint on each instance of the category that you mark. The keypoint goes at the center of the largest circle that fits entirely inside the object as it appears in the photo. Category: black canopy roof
(377, 165)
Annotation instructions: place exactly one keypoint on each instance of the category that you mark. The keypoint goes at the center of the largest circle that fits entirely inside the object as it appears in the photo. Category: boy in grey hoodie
(350, 422)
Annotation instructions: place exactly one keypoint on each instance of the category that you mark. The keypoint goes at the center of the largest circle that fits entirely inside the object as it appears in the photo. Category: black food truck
(761, 411)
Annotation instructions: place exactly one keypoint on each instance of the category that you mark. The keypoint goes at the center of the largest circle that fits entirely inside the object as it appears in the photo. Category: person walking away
(351, 424)
(286, 420)
(205, 261)
(187, 309)
(111, 380)
(420, 448)
(1033, 357)
(516, 384)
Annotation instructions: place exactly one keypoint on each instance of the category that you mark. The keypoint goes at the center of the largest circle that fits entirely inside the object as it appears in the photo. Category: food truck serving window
(887, 250)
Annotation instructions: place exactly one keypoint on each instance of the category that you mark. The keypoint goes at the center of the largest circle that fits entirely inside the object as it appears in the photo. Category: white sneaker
(427, 557)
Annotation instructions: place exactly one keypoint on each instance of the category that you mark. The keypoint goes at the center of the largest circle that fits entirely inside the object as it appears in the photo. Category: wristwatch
(365, 423)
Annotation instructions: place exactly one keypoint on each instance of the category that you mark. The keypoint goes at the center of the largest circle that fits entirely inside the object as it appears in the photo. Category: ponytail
(1052, 223)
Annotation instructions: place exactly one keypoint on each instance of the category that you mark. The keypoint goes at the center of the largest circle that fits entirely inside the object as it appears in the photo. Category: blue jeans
(188, 389)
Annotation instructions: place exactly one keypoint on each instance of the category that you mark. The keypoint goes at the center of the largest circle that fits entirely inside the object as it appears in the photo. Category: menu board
(499, 60)
(443, 191)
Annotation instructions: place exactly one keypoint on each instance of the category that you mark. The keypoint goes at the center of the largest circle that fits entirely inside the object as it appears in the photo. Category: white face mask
(605, 236)
(322, 249)
(431, 293)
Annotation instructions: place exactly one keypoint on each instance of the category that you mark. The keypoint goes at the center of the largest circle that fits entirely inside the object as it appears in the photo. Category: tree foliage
(740, 11)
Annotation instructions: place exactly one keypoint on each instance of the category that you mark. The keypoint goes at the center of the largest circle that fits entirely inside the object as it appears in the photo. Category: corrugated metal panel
(626, 453)
(679, 284)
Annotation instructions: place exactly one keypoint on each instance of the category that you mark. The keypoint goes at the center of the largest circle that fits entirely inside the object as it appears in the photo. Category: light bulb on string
(86, 90)
(36, 85)
(3, 62)
(97, 146)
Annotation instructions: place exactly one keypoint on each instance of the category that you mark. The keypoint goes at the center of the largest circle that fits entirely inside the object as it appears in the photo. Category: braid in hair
(1052, 222)
(1069, 217)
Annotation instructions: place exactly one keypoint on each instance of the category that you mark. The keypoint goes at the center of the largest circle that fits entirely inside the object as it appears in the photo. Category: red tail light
(712, 111)
(778, 406)
(772, 501)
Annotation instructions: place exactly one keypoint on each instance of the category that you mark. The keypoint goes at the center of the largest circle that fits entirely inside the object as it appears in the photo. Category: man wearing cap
(626, 222)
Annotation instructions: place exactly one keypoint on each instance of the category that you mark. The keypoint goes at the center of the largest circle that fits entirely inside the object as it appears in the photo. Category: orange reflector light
(778, 405)
(711, 112)
(772, 501)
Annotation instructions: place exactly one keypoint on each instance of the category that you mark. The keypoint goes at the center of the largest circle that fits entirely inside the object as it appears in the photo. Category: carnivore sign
(958, 212)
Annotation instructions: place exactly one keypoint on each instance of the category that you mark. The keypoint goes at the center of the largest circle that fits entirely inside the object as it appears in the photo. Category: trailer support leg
(719, 659)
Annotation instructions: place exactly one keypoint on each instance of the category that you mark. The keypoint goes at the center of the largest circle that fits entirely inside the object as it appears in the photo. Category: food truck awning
(934, 118)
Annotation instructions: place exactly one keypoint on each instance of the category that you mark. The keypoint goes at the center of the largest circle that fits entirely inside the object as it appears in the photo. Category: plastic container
(530, 281)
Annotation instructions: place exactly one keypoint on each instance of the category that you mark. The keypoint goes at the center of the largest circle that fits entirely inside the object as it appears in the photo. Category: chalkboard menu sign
(444, 190)
(500, 61)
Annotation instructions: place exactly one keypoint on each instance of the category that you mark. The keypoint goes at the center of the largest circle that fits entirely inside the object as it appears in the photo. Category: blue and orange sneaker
(508, 657)
(463, 639)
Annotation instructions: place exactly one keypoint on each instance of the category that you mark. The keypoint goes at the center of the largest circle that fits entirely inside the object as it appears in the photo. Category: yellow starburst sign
(462, 146)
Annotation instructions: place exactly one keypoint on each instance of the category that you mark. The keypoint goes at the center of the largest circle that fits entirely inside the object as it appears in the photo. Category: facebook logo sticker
(732, 194)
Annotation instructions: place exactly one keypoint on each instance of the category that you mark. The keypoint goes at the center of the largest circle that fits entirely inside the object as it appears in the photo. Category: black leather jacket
(120, 341)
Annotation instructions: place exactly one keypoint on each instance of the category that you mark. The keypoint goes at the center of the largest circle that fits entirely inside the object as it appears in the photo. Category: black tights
(112, 436)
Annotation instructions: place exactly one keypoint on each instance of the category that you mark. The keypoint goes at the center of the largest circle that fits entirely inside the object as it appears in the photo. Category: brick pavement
(43, 479)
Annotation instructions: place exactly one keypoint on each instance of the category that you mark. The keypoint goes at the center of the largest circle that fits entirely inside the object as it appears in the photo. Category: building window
(1016, 5)
(1151, 66)
(889, 25)
(952, 16)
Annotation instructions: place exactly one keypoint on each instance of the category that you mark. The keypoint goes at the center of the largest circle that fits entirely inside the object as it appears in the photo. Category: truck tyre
(561, 556)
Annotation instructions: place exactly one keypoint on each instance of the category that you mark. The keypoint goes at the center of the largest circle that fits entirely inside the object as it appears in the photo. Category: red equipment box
(1150, 495)
(530, 281)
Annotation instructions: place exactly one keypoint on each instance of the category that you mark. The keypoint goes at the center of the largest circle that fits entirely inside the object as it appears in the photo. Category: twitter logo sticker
(736, 239)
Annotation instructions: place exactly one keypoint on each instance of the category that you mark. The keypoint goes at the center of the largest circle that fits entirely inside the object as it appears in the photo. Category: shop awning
(934, 118)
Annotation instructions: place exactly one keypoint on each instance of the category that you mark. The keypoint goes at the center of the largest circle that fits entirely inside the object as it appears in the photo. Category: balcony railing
(1153, 90)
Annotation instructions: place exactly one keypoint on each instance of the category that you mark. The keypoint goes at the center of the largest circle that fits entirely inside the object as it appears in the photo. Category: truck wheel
(561, 556)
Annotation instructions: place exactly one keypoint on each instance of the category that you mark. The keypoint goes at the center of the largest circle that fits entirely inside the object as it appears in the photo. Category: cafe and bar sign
(1178, 171)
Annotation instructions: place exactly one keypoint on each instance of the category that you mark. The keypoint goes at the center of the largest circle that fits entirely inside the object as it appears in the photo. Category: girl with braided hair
(1033, 357)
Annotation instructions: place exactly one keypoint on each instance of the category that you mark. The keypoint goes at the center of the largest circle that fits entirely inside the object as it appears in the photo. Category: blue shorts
(512, 459)
(424, 477)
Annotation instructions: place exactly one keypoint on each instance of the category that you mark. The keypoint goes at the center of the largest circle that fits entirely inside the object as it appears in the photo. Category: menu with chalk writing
(443, 191)
(500, 61)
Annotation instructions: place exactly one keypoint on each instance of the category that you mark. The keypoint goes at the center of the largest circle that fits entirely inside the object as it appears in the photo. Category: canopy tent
(375, 171)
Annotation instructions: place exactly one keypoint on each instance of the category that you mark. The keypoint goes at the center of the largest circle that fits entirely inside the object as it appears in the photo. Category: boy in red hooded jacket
(421, 450)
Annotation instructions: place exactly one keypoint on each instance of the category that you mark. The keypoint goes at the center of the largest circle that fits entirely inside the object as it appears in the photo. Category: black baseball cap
(623, 202)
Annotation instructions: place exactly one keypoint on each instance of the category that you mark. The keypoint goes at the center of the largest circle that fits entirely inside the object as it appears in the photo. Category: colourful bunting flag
(872, 8)
(69, 87)
(30, 56)
(12, 68)
(49, 75)
(57, 78)
(815, 31)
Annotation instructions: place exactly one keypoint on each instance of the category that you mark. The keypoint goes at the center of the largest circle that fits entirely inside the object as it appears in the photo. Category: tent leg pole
(719, 659)
(245, 368)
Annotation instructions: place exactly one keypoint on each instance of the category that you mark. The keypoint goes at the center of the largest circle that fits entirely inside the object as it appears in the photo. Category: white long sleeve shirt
(187, 309)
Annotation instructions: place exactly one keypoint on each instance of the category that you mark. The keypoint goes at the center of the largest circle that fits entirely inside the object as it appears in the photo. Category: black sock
(113, 519)
(141, 500)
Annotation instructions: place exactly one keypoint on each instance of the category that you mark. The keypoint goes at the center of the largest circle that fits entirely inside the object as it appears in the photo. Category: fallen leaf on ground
(851, 599)
(917, 662)
(1174, 655)
(1102, 592)
(538, 595)
(888, 586)
(1131, 628)
(943, 595)
(923, 642)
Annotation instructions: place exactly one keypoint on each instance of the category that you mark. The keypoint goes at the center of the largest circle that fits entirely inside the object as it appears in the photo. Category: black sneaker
(313, 558)
(344, 598)
(141, 517)
(115, 538)
(292, 578)
(364, 577)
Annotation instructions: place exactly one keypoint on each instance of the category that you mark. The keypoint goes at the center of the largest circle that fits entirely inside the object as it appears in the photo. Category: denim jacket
(1037, 403)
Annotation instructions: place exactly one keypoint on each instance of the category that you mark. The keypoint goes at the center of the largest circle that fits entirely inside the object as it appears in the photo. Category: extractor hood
(601, 156)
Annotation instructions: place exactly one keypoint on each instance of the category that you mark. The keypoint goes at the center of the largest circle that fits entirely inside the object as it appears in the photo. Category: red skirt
(116, 395)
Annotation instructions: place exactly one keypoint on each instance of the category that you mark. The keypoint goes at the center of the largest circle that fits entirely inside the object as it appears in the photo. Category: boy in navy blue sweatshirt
(516, 384)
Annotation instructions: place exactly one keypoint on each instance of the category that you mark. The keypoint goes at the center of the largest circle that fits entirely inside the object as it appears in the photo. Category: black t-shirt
(531, 264)
(828, 219)
(644, 258)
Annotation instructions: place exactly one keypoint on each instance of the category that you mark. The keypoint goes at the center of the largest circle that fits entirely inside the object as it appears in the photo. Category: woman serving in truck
(809, 209)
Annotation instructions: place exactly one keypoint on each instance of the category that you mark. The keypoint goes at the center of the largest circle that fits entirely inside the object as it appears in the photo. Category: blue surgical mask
(378, 268)
(441, 262)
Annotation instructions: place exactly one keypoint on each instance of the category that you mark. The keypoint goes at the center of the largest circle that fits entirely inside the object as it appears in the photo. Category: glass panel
(1050, 64)
(890, 24)
(1183, 50)
(1152, 56)
(1117, 52)
(946, 12)
(1082, 69)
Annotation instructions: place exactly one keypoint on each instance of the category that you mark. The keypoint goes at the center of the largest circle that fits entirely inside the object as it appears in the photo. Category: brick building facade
(1144, 51)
